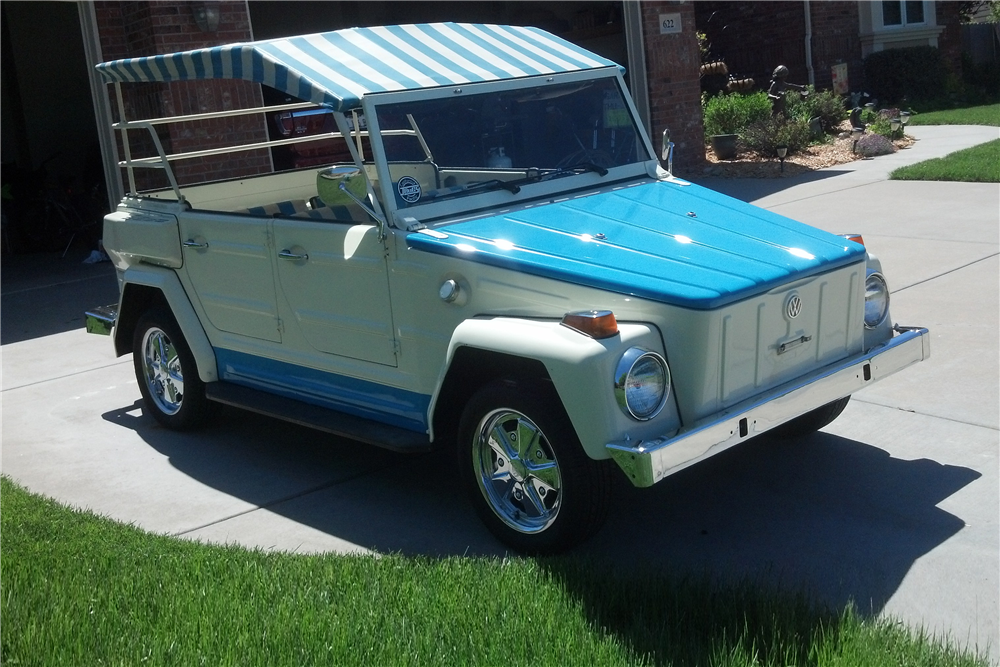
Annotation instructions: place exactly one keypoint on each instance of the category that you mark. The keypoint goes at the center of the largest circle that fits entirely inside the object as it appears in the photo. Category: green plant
(986, 114)
(82, 590)
(826, 105)
(734, 112)
(917, 72)
(978, 164)
(880, 126)
(764, 136)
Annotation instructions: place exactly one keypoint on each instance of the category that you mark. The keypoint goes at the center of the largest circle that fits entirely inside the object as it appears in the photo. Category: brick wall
(950, 40)
(672, 63)
(835, 28)
(753, 38)
(150, 27)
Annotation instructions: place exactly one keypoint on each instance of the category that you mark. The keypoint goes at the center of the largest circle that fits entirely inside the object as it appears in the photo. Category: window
(897, 12)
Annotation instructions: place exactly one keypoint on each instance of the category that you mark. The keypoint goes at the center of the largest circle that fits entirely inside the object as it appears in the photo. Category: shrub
(826, 105)
(871, 145)
(733, 113)
(880, 126)
(917, 72)
(764, 136)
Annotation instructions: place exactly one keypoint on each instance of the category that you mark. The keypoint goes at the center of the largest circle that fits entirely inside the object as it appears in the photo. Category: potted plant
(727, 115)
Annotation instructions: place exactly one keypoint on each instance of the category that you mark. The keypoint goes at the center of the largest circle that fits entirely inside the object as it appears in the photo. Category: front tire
(525, 471)
(166, 372)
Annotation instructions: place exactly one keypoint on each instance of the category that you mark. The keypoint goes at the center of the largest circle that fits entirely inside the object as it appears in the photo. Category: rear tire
(167, 373)
(811, 422)
(525, 471)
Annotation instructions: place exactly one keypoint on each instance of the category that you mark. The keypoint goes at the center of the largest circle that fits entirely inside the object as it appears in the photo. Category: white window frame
(876, 36)
(905, 21)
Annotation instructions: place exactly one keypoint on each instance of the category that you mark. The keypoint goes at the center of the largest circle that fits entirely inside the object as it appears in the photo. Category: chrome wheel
(517, 471)
(162, 372)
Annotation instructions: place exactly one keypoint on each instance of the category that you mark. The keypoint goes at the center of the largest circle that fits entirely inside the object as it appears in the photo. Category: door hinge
(281, 325)
(396, 350)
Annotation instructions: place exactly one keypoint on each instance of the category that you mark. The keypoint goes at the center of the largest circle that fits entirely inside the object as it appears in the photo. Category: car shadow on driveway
(752, 189)
(838, 518)
(45, 294)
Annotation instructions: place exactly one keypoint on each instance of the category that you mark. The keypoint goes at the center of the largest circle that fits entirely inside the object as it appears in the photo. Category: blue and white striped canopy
(336, 69)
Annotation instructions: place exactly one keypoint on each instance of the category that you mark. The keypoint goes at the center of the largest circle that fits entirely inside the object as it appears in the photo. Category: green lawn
(82, 590)
(987, 114)
(979, 164)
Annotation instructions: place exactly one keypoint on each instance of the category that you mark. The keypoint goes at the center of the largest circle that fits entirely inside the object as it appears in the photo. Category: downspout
(636, 50)
(809, 52)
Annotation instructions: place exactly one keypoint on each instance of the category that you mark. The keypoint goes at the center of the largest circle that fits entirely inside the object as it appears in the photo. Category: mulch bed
(750, 165)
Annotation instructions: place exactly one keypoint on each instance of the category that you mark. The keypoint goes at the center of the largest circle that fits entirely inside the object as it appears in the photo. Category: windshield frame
(435, 209)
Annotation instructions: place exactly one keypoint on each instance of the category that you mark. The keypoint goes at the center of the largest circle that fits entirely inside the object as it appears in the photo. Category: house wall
(753, 38)
(950, 40)
(835, 40)
(144, 28)
(672, 62)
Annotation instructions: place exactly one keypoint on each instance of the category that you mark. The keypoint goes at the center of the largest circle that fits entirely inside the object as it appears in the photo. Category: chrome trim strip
(649, 461)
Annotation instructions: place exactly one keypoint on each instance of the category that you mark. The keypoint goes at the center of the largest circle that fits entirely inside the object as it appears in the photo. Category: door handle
(288, 254)
(191, 243)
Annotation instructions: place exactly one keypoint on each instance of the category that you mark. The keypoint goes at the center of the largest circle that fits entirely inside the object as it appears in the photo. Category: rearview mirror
(667, 151)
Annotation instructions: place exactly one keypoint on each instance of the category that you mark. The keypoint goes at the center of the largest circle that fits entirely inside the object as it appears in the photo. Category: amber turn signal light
(593, 323)
(854, 237)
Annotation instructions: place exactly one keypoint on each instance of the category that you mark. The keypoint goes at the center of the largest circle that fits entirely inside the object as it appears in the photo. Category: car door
(333, 287)
(228, 263)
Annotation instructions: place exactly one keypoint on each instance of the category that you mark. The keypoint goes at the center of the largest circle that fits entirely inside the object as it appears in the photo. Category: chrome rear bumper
(648, 461)
(101, 320)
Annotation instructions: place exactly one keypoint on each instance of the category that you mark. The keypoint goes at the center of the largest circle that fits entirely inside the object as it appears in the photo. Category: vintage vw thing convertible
(500, 267)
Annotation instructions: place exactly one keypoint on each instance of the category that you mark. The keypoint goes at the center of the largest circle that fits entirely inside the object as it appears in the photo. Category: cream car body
(503, 258)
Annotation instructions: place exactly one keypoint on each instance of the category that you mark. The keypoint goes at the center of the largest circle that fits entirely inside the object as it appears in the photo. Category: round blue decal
(408, 189)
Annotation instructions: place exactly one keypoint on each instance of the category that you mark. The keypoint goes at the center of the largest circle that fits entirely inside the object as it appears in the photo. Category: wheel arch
(472, 368)
(581, 371)
(147, 287)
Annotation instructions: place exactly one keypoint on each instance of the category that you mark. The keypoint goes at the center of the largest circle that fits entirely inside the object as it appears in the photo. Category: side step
(323, 419)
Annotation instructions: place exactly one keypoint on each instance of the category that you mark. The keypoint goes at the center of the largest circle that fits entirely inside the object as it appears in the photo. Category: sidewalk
(933, 141)
(893, 506)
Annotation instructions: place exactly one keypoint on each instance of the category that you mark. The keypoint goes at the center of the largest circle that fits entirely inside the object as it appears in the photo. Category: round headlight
(642, 383)
(876, 300)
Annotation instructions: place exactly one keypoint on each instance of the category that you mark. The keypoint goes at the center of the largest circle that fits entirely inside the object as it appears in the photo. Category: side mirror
(667, 151)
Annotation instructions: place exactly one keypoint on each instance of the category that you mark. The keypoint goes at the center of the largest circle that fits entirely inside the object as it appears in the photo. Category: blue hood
(683, 245)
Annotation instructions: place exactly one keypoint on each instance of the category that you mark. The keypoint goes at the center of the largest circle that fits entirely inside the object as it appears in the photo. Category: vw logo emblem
(793, 306)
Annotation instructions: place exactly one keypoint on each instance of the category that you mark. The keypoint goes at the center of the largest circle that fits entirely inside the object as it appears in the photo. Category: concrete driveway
(895, 505)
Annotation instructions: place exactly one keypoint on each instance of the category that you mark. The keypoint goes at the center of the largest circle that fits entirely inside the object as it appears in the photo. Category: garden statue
(776, 93)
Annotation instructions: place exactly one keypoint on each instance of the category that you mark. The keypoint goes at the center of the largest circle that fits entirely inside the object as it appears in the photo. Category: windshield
(459, 145)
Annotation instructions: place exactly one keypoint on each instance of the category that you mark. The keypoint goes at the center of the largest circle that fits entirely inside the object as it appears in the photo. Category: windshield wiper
(536, 175)
(513, 187)
(510, 186)
(578, 168)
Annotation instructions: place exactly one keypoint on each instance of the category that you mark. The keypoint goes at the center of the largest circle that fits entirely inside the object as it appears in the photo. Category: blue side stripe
(362, 398)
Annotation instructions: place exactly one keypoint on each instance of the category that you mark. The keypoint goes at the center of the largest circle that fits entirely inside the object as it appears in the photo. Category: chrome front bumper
(647, 462)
